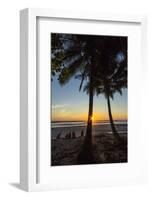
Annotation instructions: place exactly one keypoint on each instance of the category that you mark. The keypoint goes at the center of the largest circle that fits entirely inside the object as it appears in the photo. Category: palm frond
(83, 76)
(68, 72)
(86, 88)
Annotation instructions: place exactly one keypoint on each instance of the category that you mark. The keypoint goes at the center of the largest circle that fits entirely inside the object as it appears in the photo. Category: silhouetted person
(58, 136)
(73, 135)
(69, 136)
(82, 133)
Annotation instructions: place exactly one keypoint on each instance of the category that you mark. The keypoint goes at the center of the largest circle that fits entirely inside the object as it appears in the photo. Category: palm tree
(109, 90)
(72, 54)
(113, 81)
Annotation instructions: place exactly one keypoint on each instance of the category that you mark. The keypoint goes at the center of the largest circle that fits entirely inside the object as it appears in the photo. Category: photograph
(89, 99)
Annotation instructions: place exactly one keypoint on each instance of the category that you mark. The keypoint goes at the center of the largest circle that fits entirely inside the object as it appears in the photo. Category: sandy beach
(65, 150)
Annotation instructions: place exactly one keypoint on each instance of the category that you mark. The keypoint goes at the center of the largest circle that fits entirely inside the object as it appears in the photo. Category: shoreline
(96, 130)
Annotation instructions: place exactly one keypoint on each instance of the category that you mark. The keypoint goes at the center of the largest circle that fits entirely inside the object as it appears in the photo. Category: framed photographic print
(81, 81)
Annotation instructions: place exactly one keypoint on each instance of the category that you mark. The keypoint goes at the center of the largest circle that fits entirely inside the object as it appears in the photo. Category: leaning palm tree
(112, 74)
(112, 82)
(109, 90)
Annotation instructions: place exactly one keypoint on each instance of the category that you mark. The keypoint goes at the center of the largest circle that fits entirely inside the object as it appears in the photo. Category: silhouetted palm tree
(113, 78)
(109, 90)
(72, 54)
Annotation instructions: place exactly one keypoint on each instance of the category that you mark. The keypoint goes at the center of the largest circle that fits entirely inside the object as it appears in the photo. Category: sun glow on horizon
(84, 116)
(92, 118)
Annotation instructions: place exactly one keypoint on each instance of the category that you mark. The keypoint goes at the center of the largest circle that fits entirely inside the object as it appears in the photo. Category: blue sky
(70, 104)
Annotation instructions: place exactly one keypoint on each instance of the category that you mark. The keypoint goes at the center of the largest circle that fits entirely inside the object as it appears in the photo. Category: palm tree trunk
(86, 155)
(111, 119)
(88, 136)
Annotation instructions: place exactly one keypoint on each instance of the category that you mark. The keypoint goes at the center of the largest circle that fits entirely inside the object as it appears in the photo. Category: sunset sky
(69, 104)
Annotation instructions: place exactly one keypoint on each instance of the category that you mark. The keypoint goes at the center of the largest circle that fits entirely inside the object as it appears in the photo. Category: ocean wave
(63, 124)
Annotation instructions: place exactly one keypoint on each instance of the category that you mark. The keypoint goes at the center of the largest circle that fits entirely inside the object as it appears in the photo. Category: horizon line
(86, 120)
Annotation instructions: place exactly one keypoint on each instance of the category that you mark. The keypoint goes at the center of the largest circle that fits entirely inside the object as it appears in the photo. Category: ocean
(99, 127)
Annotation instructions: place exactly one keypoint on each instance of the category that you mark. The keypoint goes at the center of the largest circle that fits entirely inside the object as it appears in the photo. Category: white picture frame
(29, 142)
